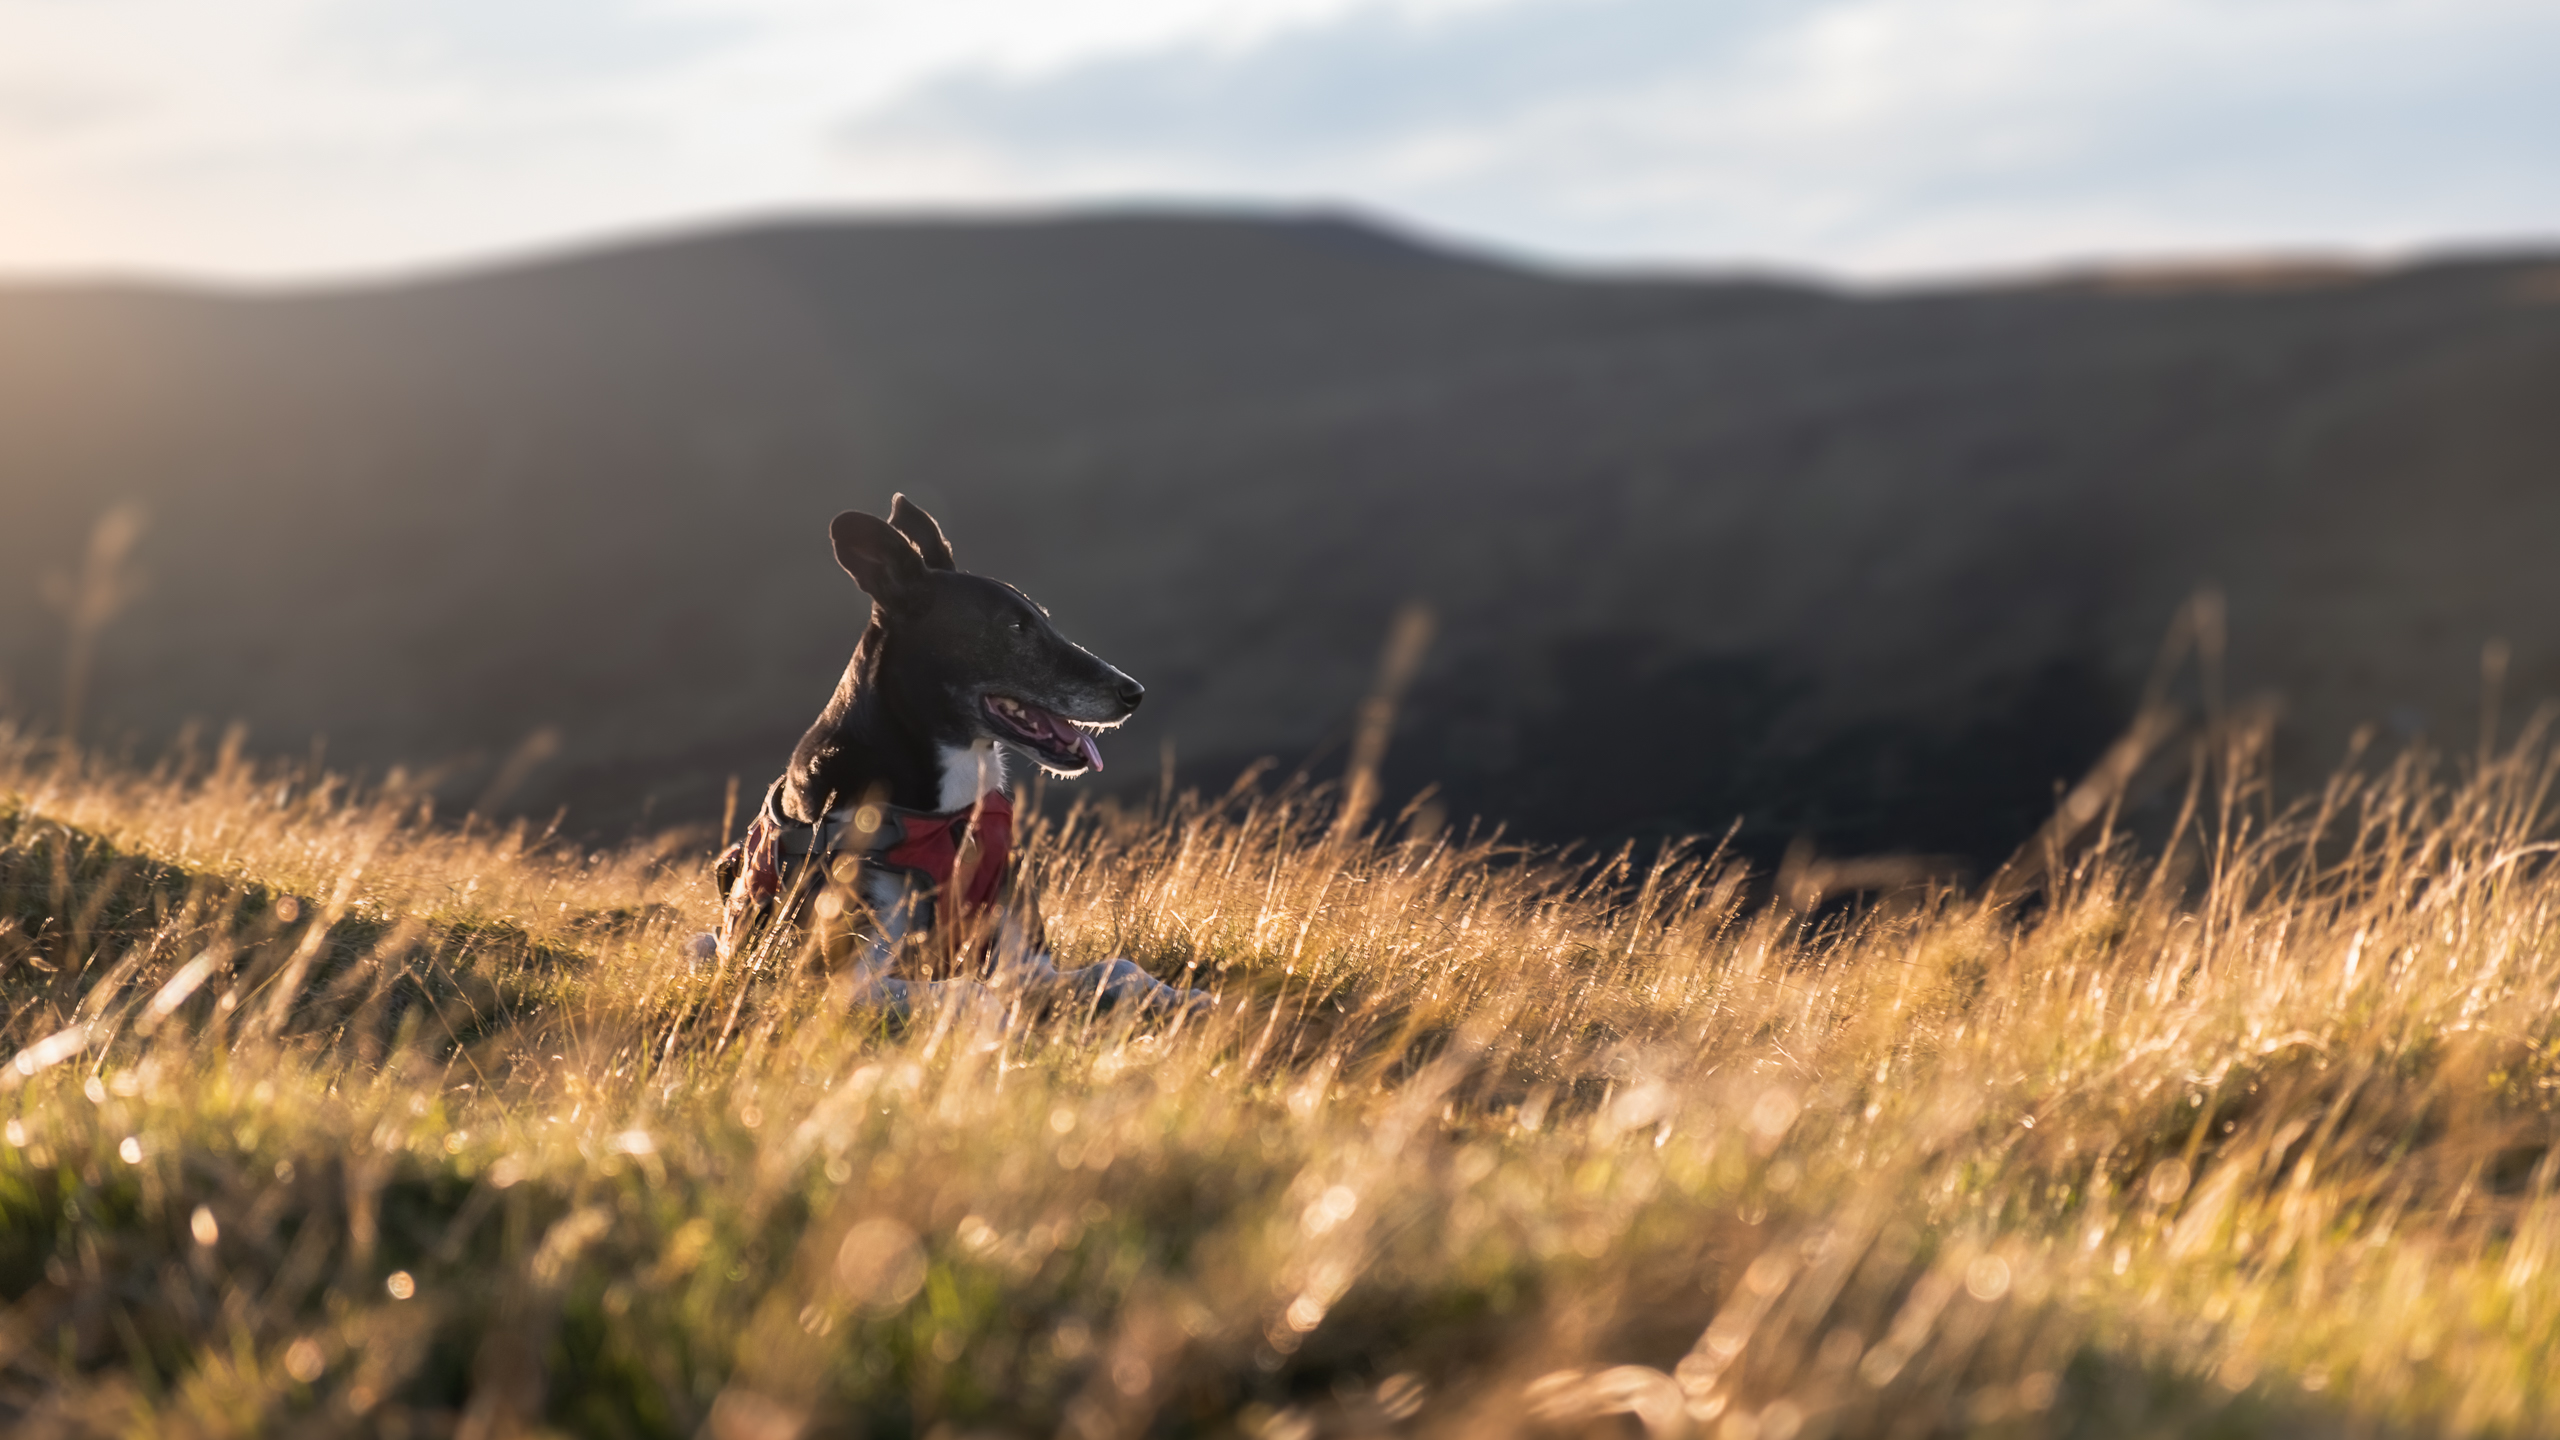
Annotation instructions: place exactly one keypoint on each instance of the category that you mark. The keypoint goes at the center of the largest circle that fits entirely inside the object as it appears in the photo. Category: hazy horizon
(2206, 266)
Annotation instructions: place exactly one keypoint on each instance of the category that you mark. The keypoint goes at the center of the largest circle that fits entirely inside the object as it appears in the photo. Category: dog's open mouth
(1054, 738)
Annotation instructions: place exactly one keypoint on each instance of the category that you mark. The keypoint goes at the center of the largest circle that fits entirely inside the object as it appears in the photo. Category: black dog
(897, 793)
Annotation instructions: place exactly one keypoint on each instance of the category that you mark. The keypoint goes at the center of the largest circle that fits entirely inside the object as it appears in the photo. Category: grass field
(327, 1115)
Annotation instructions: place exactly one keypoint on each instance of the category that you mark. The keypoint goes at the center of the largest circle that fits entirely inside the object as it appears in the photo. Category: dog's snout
(1131, 692)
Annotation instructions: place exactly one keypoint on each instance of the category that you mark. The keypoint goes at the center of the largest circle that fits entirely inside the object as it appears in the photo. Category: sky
(277, 140)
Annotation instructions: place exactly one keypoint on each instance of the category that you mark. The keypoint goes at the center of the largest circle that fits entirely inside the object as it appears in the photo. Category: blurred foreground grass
(323, 1118)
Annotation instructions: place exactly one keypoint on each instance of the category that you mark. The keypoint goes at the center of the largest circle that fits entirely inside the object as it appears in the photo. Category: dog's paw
(894, 999)
(1121, 986)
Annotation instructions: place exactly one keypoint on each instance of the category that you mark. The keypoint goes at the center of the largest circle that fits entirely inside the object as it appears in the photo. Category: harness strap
(923, 843)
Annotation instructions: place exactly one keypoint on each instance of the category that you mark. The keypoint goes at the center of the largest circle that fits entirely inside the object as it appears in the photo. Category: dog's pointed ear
(880, 559)
(917, 526)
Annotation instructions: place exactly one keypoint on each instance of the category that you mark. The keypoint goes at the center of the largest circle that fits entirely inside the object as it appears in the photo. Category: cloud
(539, 41)
(1875, 135)
(1356, 88)
(1878, 137)
(37, 108)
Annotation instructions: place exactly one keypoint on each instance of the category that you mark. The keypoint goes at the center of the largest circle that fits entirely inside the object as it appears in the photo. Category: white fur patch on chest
(969, 771)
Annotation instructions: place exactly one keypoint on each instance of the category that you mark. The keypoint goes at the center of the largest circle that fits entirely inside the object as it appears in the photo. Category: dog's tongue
(1084, 741)
(1067, 734)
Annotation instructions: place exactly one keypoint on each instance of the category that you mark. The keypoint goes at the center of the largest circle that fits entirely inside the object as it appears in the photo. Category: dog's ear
(916, 525)
(880, 559)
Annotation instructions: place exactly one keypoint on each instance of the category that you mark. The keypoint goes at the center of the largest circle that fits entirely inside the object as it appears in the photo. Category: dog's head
(972, 658)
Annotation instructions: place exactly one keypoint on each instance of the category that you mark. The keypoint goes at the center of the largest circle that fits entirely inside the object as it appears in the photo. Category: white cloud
(274, 137)
(1884, 136)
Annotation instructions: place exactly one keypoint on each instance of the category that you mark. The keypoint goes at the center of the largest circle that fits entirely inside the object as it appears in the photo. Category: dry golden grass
(324, 1118)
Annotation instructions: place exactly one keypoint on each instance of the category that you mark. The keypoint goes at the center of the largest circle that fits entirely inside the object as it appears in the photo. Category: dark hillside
(1699, 548)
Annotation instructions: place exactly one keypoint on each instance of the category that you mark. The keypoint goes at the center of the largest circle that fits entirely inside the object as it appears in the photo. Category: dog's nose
(1131, 692)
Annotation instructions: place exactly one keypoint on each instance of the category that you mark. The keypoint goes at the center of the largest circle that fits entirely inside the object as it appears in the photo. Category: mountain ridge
(1800, 549)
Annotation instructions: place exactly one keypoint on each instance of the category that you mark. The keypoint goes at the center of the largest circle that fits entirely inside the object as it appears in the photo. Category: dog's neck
(869, 743)
(969, 771)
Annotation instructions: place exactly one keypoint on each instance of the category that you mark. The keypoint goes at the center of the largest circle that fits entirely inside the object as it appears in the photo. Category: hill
(1874, 568)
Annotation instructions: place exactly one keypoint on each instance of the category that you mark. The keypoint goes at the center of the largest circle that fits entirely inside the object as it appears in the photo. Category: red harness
(926, 844)
(929, 845)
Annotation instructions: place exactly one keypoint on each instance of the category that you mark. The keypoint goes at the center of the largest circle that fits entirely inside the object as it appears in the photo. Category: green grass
(326, 1116)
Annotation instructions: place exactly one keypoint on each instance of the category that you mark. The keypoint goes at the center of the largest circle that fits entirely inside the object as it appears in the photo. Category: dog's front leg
(1021, 966)
(873, 987)
(869, 985)
(1124, 984)
(1113, 985)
